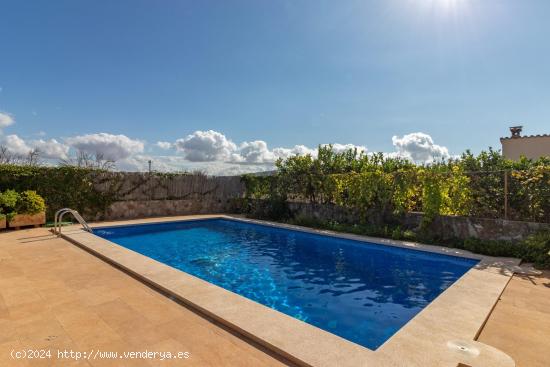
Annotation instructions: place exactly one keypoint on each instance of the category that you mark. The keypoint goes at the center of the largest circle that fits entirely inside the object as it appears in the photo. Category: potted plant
(8, 201)
(30, 210)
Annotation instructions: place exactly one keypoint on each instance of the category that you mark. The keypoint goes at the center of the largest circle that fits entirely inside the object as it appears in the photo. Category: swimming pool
(360, 291)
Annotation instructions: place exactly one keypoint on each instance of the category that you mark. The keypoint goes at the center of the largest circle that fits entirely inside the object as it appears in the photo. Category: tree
(86, 160)
(32, 158)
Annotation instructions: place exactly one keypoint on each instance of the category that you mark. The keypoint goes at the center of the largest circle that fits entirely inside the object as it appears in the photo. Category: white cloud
(339, 148)
(137, 162)
(164, 145)
(209, 151)
(113, 147)
(206, 146)
(285, 153)
(215, 154)
(419, 147)
(257, 152)
(5, 120)
(213, 146)
(253, 152)
(175, 163)
(51, 149)
(16, 145)
(225, 169)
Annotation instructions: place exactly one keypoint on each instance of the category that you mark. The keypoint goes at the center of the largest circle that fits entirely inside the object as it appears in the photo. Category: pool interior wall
(360, 291)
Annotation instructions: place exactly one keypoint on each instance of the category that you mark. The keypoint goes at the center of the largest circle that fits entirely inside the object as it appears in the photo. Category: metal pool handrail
(59, 216)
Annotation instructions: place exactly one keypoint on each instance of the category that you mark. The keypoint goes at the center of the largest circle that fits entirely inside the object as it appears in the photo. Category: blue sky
(285, 73)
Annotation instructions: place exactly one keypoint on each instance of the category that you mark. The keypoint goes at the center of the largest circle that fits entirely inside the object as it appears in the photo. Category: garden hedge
(486, 185)
(63, 186)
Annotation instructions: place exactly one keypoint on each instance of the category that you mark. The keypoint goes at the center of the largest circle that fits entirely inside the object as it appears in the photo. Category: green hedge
(469, 186)
(65, 186)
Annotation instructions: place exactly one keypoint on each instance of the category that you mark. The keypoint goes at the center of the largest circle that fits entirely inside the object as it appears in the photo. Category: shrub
(491, 247)
(29, 202)
(374, 183)
(397, 234)
(536, 249)
(8, 201)
(409, 235)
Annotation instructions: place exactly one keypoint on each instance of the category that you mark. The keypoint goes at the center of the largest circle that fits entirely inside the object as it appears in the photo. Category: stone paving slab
(54, 295)
(520, 322)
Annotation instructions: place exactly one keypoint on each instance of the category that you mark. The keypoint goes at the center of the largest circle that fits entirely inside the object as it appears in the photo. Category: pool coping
(442, 334)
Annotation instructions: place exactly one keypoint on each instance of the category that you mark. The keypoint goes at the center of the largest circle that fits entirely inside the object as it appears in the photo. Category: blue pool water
(360, 291)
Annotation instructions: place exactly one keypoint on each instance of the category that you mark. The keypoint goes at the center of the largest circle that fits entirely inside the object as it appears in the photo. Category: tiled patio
(520, 322)
(54, 295)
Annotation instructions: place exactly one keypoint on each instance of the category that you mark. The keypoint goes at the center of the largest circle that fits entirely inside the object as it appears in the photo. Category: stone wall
(132, 209)
(482, 228)
(143, 195)
(444, 226)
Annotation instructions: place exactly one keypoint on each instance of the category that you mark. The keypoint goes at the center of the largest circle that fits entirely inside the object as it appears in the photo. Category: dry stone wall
(446, 226)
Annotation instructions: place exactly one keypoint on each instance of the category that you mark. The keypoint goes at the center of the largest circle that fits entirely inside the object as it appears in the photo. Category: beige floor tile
(520, 323)
(8, 331)
(118, 315)
(28, 310)
(56, 295)
(6, 350)
(96, 295)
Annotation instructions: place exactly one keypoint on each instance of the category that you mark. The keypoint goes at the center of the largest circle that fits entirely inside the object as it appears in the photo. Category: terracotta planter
(21, 220)
(3, 223)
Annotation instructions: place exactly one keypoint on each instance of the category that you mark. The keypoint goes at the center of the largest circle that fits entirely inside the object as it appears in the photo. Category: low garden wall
(132, 209)
(481, 228)
(156, 196)
(444, 226)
